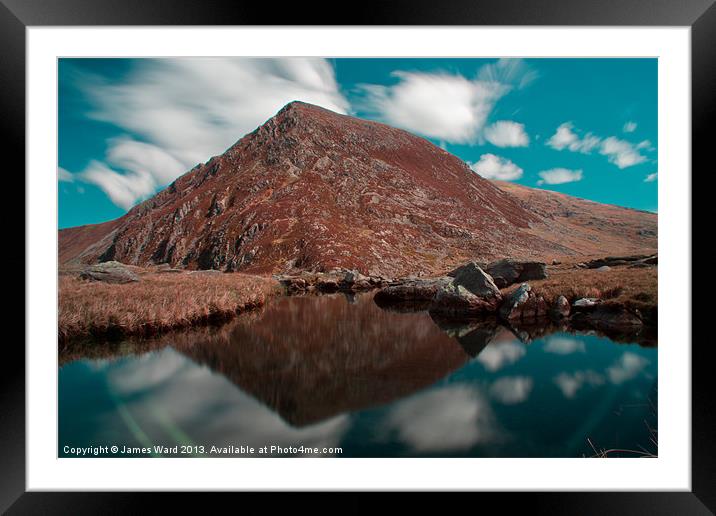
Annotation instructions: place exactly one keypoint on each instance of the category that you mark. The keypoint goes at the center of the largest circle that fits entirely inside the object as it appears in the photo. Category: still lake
(337, 371)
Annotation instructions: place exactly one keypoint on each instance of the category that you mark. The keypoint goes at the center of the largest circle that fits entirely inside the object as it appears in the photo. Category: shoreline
(164, 300)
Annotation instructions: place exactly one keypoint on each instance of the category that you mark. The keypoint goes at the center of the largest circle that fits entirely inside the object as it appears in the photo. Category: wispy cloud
(65, 175)
(620, 152)
(623, 153)
(505, 133)
(629, 127)
(651, 177)
(566, 138)
(491, 166)
(448, 107)
(183, 111)
(445, 106)
(558, 176)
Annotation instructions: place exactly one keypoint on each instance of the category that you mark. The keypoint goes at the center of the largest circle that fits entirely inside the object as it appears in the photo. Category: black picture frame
(17, 15)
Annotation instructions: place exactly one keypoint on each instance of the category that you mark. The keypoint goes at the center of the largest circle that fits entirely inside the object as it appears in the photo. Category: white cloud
(448, 107)
(451, 418)
(188, 109)
(191, 396)
(558, 176)
(563, 346)
(566, 138)
(651, 177)
(500, 354)
(569, 384)
(620, 152)
(627, 367)
(132, 171)
(65, 175)
(623, 153)
(630, 127)
(124, 189)
(515, 72)
(511, 390)
(491, 166)
(505, 133)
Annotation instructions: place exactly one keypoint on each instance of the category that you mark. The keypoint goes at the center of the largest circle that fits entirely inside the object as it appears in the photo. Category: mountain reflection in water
(337, 370)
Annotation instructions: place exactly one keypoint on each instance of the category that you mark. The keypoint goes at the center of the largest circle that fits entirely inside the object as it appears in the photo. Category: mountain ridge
(312, 190)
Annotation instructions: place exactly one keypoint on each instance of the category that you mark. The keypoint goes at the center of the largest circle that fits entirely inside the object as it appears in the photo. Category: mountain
(312, 190)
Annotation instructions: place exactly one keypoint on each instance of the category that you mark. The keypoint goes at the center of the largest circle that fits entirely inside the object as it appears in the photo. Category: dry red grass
(157, 303)
(635, 289)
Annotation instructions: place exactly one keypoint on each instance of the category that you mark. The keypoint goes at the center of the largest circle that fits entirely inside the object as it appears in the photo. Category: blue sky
(585, 127)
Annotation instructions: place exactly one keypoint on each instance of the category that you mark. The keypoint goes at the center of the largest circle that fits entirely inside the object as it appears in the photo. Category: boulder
(560, 308)
(506, 272)
(603, 268)
(411, 291)
(474, 279)
(456, 271)
(455, 299)
(523, 305)
(585, 302)
(109, 272)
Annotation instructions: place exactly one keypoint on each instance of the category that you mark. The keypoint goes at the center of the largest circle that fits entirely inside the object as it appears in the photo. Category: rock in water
(412, 291)
(109, 272)
(457, 300)
(506, 272)
(474, 279)
(523, 305)
(561, 308)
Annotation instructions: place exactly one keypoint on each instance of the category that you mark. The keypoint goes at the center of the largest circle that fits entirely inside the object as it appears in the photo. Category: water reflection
(340, 371)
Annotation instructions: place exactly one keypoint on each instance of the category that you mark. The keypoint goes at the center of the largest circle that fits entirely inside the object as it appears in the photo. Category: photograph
(341, 257)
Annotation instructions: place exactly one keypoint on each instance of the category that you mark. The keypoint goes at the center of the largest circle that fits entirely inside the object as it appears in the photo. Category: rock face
(507, 272)
(311, 190)
(109, 272)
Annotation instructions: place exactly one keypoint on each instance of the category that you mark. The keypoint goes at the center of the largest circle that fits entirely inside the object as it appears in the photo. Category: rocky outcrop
(507, 272)
(109, 272)
(523, 305)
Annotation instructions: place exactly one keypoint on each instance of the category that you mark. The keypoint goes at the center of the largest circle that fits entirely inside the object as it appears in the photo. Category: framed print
(420, 252)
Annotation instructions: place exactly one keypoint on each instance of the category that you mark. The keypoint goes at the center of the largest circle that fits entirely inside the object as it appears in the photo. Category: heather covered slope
(312, 190)
(587, 227)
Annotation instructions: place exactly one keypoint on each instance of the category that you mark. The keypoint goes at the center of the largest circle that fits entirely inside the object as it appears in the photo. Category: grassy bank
(634, 289)
(157, 303)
